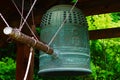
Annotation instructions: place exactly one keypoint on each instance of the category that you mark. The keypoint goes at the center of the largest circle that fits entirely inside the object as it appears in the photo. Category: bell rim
(64, 72)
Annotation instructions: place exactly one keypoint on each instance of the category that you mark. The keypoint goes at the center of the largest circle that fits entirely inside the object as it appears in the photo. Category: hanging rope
(22, 12)
(28, 65)
(23, 19)
(62, 24)
(4, 20)
(28, 14)
(21, 26)
(32, 13)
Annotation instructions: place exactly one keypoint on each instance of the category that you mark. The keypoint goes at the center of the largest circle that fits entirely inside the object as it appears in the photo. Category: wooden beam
(95, 7)
(25, 39)
(104, 33)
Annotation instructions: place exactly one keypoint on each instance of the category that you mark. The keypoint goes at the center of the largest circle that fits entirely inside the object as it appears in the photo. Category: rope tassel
(20, 37)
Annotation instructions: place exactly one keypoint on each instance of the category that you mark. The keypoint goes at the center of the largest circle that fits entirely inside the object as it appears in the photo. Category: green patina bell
(71, 44)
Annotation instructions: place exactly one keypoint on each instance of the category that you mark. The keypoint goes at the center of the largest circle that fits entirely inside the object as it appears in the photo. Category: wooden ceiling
(89, 7)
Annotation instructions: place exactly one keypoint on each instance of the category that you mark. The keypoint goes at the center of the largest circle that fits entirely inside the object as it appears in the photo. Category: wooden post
(22, 60)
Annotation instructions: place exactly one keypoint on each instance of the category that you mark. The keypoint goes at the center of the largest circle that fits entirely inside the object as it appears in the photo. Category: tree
(105, 52)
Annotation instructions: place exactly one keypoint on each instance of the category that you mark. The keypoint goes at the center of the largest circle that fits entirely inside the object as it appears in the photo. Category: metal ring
(17, 34)
(34, 41)
(47, 48)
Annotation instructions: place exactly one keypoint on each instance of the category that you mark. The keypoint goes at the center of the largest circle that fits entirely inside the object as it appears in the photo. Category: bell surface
(71, 44)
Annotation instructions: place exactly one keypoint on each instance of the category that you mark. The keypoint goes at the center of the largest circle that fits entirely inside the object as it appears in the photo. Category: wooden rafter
(104, 33)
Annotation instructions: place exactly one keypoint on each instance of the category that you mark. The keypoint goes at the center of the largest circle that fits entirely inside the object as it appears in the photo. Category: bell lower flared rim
(64, 72)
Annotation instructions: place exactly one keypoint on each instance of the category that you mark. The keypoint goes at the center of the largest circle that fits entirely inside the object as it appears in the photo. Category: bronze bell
(71, 44)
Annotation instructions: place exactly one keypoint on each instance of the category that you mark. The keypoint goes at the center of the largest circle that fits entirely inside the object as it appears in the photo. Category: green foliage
(7, 69)
(101, 21)
(104, 53)
(38, 29)
(115, 16)
(74, 1)
(8, 51)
